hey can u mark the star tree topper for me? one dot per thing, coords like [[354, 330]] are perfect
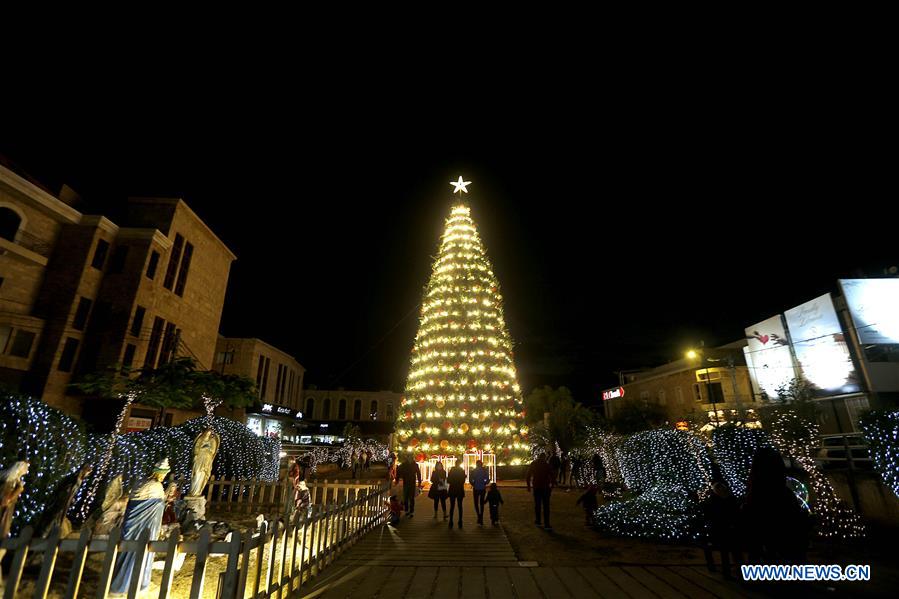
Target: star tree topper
[[460, 185]]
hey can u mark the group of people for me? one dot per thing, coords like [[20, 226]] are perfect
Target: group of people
[[446, 484], [770, 525], [360, 461]]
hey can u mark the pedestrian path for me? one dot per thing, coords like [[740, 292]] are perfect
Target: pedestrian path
[[422, 557]]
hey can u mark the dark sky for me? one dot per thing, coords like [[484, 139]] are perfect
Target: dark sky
[[621, 232]]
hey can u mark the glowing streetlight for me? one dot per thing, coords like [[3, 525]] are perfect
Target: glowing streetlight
[[691, 355]]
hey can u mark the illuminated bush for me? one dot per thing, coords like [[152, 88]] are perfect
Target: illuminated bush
[[882, 433], [662, 457], [734, 449], [665, 512], [53, 444]]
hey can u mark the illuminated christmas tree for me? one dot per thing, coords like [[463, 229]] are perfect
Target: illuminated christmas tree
[[462, 394]]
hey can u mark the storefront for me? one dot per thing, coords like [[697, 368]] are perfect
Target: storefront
[[272, 420]]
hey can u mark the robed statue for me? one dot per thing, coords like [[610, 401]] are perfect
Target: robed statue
[[144, 513], [11, 486], [205, 448]]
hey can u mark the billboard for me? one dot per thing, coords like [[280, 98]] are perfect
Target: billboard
[[768, 356], [874, 306], [821, 348]]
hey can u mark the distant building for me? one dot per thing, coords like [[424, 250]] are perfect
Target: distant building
[[714, 385], [279, 383], [326, 412], [79, 293]]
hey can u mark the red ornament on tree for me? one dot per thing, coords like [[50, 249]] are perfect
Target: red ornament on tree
[[420, 457], [447, 424], [408, 414], [472, 444], [414, 441]]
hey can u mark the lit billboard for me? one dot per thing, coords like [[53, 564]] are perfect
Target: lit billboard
[[768, 356], [874, 306], [820, 347]]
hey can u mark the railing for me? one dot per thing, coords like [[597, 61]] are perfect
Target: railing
[[275, 560], [253, 496], [843, 450]]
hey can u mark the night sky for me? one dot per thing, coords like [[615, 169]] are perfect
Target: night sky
[[620, 237]]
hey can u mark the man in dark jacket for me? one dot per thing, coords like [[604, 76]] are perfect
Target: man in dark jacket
[[409, 472], [456, 479], [479, 478], [542, 476]]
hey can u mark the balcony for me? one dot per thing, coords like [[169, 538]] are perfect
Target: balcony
[[27, 247]]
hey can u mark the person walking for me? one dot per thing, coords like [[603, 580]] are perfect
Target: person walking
[[456, 480], [391, 466], [410, 473], [589, 502], [367, 463], [439, 488], [542, 476], [493, 500], [354, 462], [565, 471], [556, 465], [479, 479]]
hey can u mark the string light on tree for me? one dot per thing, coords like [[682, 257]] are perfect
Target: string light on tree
[[462, 392], [882, 433]]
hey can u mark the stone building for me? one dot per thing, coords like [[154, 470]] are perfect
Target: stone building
[[711, 386], [326, 412], [80, 293], [279, 383]]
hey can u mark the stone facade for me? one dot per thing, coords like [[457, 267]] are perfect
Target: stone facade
[[686, 388], [97, 295], [345, 406], [278, 375]]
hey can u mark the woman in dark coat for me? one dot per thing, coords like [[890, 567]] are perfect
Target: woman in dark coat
[[439, 488], [456, 480]]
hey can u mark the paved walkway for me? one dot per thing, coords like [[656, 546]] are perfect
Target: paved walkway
[[423, 558]]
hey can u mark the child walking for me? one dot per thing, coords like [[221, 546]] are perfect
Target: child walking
[[395, 508], [590, 503], [494, 499]]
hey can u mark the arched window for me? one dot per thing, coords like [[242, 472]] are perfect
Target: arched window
[[389, 411], [341, 410], [374, 410], [357, 409], [9, 223], [326, 409], [310, 406]]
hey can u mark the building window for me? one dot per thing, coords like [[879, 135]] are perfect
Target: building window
[[128, 360], [185, 268], [679, 394], [9, 223], [389, 411], [341, 410], [138, 321], [663, 397], [326, 409], [174, 259], [373, 414], [225, 357], [151, 266], [278, 384], [117, 262], [153, 346], [644, 395], [310, 407], [259, 370], [265, 369], [357, 409], [81, 312], [168, 344], [21, 344], [5, 334], [100, 254], [697, 392], [68, 355]]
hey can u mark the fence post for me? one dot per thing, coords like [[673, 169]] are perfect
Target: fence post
[[196, 586], [272, 554], [303, 560], [137, 570], [245, 566], [231, 570], [78, 563], [171, 554], [263, 532], [51, 550], [18, 563], [112, 549]]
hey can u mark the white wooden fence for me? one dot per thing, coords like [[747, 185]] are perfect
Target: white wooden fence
[[274, 561]]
